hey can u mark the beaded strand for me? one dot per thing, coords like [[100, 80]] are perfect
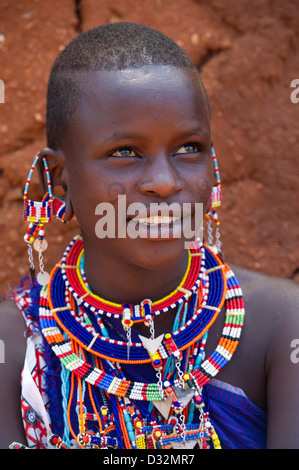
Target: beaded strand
[[77, 338]]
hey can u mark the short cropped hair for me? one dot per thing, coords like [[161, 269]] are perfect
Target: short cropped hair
[[116, 46]]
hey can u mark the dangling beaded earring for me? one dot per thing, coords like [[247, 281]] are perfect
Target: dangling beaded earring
[[215, 201], [59, 208], [37, 213]]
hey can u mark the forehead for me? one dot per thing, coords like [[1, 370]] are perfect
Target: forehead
[[130, 98], [152, 81]]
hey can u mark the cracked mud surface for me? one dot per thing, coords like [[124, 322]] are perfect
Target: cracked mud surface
[[247, 53]]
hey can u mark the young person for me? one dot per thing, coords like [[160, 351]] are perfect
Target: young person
[[138, 341]]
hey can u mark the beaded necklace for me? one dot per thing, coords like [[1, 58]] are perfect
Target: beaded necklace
[[106, 406], [74, 274], [115, 349]]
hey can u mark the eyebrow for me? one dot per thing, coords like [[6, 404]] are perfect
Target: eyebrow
[[195, 131], [124, 135]]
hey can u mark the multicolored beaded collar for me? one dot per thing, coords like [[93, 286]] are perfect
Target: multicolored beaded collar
[[72, 269], [169, 411]]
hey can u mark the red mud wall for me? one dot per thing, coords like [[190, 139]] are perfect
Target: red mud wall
[[248, 55]]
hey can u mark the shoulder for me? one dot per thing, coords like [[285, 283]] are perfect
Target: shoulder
[[272, 310], [269, 296], [253, 280], [11, 319], [13, 347], [12, 328], [12, 335], [272, 305]]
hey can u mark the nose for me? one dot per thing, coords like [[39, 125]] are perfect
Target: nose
[[161, 178]]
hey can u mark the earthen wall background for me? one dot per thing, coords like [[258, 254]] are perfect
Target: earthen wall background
[[248, 54]]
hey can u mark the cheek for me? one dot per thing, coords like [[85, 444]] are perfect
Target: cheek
[[114, 190], [89, 191], [201, 184], [203, 195]]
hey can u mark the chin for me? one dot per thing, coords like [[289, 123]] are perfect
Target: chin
[[159, 254]]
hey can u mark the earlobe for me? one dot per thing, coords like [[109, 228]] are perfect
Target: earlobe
[[69, 211], [58, 175], [56, 164]]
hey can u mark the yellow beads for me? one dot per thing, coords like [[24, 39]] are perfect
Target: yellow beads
[[216, 442], [155, 356], [140, 442]]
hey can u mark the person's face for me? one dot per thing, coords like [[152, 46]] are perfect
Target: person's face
[[143, 134]]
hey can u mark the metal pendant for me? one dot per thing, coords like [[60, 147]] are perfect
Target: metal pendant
[[164, 406], [190, 444], [43, 278], [40, 245], [151, 345], [184, 395]]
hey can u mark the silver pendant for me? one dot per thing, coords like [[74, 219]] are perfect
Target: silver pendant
[[43, 278], [151, 345], [164, 406], [184, 395], [40, 245], [190, 444]]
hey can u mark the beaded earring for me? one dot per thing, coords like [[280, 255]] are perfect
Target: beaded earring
[[59, 208], [215, 201], [37, 213]]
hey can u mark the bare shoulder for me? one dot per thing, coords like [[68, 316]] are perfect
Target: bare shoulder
[[272, 305], [269, 296], [13, 347], [255, 279], [12, 329], [273, 316]]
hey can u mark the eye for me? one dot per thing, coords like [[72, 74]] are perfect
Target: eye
[[124, 152], [188, 148]]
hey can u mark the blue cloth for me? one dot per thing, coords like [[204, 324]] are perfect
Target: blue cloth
[[239, 423]]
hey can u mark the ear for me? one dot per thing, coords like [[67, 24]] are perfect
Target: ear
[[56, 162]]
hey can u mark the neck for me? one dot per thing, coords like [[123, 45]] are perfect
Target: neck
[[121, 282]]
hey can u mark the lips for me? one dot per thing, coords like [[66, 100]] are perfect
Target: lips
[[160, 221], [155, 231], [160, 213], [157, 220]]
